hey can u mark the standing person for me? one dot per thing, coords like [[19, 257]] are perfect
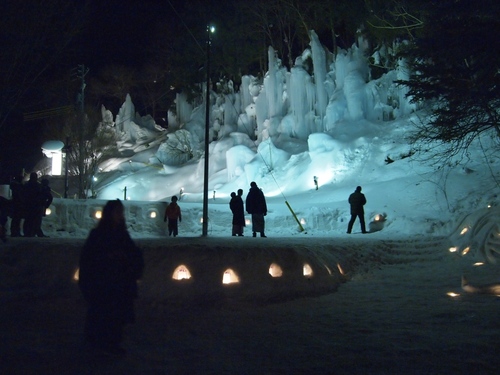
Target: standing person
[[257, 207], [110, 265], [17, 207], [32, 191], [238, 211], [357, 200], [173, 214], [45, 200]]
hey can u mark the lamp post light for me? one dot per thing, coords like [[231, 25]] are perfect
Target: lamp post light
[[210, 29]]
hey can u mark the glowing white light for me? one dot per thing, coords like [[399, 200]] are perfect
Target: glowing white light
[[453, 249], [465, 230], [328, 269], [56, 163], [466, 250], [152, 214], [76, 275], [477, 264], [201, 220], [48, 211], [247, 221], [98, 214], [307, 270], [302, 221], [452, 294]]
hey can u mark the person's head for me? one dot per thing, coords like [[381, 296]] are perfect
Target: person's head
[[233, 194], [33, 177], [253, 184], [113, 216], [174, 199], [358, 189], [240, 191]]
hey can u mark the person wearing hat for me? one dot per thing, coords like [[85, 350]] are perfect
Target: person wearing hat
[[357, 200]]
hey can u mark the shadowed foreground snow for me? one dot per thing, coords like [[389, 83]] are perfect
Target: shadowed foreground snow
[[388, 314]]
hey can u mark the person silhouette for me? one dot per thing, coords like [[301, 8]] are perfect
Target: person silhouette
[[357, 200], [257, 207], [110, 265]]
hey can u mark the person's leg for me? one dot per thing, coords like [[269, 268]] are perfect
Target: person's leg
[[362, 222], [351, 223]]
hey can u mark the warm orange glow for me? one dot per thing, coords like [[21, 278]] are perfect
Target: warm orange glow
[[452, 294], [181, 272], [307, 270], [340, 269], [230, 277], [275, 270], [76, 275], [466, 250], [98, 214]]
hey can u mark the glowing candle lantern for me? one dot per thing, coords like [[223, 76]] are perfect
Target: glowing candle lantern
[[466, 250], [152, 214], [477, 264], [453, 249], [48, 211], [340, 269], [307, 270], [302, 221], [247, 222], [76, 275], [275, 270], [181, 273], [452, 294], [465, 230], [230, 277], [98, 214]]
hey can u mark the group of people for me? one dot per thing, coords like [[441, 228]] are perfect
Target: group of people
[[29, 202], [255, 205]]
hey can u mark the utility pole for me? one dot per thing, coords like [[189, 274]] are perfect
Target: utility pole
[[210, 29], [81, 73]]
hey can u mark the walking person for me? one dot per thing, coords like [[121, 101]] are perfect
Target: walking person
[[173, 214], [357, 200], [110, 265], [238, 210], [257, 207]]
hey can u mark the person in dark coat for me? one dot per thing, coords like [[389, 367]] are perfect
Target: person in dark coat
[[17, 206], [110, 265], [357, 200], [236, 206], [32, 191], [173, 215], [257, 207]]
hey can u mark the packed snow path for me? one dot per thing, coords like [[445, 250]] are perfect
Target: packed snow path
[[394, 315]]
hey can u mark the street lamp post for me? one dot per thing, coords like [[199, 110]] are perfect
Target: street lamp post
[[210, 29]]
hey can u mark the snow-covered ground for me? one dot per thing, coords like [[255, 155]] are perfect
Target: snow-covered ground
[[388, 302]]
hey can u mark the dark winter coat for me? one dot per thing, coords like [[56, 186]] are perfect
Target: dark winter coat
[[236, 206], [110, 265], [256, 202], [357, 200], [172, 212]]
